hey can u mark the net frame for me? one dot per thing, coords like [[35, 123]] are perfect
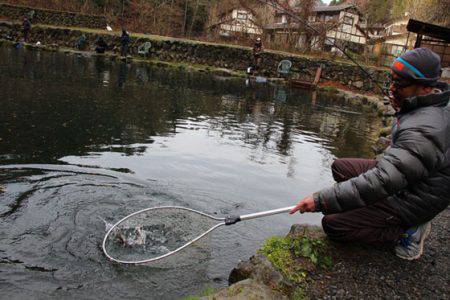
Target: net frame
[[222, 221]]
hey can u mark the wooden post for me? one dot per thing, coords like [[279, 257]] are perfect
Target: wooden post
[[407, 41], [318, 74], [418, 41]]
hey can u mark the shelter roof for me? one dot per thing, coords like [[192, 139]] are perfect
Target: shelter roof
[[333, 8], [428, 29]]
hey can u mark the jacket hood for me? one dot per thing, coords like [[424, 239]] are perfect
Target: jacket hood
[[433, 99]]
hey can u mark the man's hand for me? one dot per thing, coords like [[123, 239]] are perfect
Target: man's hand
[[305, 205]]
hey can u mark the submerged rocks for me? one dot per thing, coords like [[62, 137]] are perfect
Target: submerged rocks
[[374, 101], [223, 72]]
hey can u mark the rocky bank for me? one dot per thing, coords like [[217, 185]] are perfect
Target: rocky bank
[[353, 272]]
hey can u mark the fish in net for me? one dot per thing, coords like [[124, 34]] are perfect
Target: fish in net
[[154, 233]]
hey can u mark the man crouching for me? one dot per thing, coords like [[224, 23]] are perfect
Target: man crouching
[[394, 198]]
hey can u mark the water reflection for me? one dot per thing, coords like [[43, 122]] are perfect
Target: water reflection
[[44, 123]]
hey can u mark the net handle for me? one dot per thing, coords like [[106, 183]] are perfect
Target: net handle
[[234, 219], [266, 213], [222, 222]]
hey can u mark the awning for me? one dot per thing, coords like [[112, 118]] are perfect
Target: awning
[[431, 30]]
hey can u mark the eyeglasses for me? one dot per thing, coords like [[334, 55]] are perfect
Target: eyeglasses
[[400, 83]]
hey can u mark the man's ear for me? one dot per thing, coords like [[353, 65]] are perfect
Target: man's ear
[[425, 90], [428, 89]]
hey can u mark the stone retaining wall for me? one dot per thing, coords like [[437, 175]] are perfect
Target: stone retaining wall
[[52, 17], [215, 55]]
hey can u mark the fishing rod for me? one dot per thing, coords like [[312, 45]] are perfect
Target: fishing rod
[[332, 41]]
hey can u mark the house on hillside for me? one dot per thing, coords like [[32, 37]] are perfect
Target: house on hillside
[[397, 39], [402, 34], [375, 31], [236, 22], [343, 26], [285, 31], [391, 42], [340, 24]]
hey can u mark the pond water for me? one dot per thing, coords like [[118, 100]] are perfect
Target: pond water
[[86, 139]]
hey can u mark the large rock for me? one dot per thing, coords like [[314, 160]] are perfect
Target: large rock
[[311, 231], [389, 112], [381, 144], [247, 289], [259, 268], [358, 84]]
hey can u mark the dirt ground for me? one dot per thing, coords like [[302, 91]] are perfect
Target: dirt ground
[[364, 272]]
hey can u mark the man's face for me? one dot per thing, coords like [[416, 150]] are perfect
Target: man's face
[[401, 89]]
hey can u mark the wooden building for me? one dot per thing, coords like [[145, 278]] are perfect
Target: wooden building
[[236, 22], [340, 24], [434, 37]]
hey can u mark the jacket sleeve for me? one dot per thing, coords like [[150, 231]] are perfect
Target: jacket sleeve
[[415, 155]]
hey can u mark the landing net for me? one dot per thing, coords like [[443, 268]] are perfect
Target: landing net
[[155, 233]]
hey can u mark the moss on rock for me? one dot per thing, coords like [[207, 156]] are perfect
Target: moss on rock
[[297, 255]]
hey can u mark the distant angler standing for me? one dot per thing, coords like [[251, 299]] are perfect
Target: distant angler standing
[[26, 27], [257, 54], [124, 41]]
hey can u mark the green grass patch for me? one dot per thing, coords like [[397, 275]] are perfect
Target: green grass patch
[[329, 88], [295, 255]]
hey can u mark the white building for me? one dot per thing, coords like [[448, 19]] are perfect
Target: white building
[[237, 21], [340, 24], [344, 28], [392, 42]]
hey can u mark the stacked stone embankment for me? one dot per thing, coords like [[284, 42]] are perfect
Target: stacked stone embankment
[[51, 17]]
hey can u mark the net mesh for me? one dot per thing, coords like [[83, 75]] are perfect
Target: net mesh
[[153, 233]]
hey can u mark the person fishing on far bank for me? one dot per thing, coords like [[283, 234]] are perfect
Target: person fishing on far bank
[[26, 27], [124, 41], [393, 199], [257, 55], [100, 45]]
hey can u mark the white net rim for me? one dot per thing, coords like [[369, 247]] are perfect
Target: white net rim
[[222, 222]]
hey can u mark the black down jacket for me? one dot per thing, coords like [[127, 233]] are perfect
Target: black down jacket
[[413, 173]]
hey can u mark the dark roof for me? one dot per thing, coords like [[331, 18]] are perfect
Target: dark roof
[[376, 26], [333, 8], [229, 10], [431, 30]]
